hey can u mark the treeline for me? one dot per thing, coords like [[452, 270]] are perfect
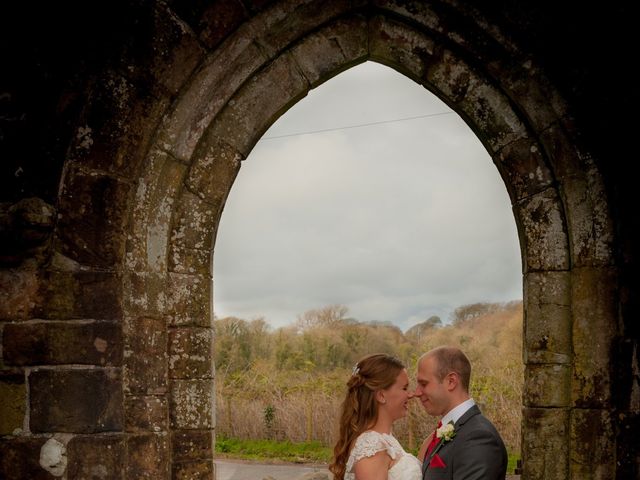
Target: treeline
[[288, 383], [320, 340]]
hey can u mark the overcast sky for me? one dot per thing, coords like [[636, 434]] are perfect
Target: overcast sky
[[397, 221]]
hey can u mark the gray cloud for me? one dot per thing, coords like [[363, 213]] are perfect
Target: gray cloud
[[398, 221]]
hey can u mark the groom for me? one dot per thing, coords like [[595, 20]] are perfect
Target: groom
[[469, 448]]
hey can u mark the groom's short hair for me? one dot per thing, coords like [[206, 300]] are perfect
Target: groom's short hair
[[452, 359]]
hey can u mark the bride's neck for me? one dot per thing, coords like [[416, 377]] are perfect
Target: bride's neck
[[382, 424]]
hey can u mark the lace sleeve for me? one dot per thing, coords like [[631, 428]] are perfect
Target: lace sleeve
[[367, 445]]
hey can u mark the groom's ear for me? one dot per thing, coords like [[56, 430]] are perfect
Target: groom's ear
[[452, 380]]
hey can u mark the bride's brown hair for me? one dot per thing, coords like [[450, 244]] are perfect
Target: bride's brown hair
[[360, 409]]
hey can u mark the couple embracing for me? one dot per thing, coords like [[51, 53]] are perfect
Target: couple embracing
[[465, 445]]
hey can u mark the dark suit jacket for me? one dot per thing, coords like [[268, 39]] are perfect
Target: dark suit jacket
[[476, 452]]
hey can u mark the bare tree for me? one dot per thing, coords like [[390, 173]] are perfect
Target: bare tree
[[329, 316]]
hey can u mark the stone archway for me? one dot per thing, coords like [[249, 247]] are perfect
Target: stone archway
[[166, 168], [557, 195]]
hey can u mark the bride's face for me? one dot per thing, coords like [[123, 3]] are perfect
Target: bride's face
[[395, 399]]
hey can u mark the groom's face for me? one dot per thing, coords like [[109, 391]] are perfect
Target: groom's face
[[432, 392]]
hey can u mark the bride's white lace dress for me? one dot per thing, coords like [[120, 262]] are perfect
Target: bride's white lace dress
[[404, 465]]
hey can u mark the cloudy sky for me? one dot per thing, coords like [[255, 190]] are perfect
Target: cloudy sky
[[396, 219]]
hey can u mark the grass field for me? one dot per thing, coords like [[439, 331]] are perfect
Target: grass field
[[285, 451], [265, 450]]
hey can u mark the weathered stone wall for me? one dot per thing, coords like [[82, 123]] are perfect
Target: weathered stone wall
[[106, 292]]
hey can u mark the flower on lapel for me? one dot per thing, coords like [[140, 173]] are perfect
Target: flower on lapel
[[446, 432]]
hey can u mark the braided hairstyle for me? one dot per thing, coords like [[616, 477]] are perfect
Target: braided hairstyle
[[360, 408]]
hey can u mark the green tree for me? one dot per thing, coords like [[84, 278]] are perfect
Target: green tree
[[233, 344]]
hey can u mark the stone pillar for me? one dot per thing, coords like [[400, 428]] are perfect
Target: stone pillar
[[192, 406], [592, 425], [547, 392]]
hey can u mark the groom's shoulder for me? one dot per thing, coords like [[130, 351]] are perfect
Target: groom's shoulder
[[481, 419], [477, 421], [485, 422]]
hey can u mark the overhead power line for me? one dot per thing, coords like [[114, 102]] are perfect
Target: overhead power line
[[356, 126]]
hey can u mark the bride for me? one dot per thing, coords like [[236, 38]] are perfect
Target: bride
[[378, 395]]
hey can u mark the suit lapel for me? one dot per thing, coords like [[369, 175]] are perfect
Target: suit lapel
[[427, 461], [473, 411]]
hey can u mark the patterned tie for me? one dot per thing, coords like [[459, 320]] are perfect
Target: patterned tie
[[434, 441]]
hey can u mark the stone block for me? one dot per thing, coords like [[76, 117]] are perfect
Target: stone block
[[173, 51], [409, 50], [190, 353], [545, 450], [20, 458], [145, 109], [145, 293], [75, 401], [18, 294], [192, 404], [595, 328], [13, 406], [146, 414], [447, 74], [200, 470], [422, 13], [592, 236], [59, 294], [91, 218], [322, 55], [191, 445], [285, 85], [523, 168], [155, 196], [147, 456], [79, 294], [548, 334], [113, 134], [193, 222], [480, 102], [145, 356], [547, 322], [627, 455], [220, 76], [541, 224], [212, 172], [219, 20], [560, 150], [192, 235], [535, 96], [25, 232], [258, 5], [189, 300], [542, 288], [547, 385], [626, 371], [158, 210], [490, 111], [593, 444], [95, 457], [285, 23], [54, 343], [189, 260]]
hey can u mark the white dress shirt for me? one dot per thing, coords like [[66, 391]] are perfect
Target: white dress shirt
[[454, 414]]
